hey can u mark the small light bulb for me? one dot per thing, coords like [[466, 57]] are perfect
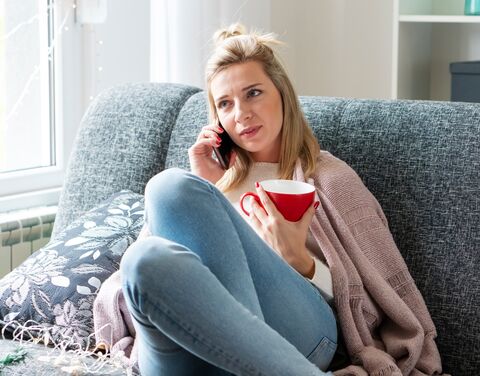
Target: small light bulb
[[66, 28], [100, 42], [100, 69], [91, 97]]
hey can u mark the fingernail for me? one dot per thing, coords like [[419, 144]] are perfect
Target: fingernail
[[316, 204], [256, 184]]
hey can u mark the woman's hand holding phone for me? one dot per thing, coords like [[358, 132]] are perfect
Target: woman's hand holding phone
[[224, 150], [200, 153]]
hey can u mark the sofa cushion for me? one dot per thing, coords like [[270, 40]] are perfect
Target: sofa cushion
[[56, 286]]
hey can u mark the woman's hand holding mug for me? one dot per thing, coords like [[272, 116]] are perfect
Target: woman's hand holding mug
[[281, 212]]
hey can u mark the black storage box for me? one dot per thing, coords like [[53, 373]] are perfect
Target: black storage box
[[465, 81]]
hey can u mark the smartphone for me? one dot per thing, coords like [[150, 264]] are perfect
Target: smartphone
[[223, 151]]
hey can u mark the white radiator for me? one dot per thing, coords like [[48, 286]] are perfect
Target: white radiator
[[22, 233]]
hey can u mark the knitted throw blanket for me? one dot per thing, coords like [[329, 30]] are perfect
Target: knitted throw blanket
[[384, 319]]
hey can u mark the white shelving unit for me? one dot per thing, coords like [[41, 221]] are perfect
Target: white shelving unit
[[439, 19], [431, 35]]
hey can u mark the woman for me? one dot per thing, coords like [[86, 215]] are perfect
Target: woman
[[212, 292]]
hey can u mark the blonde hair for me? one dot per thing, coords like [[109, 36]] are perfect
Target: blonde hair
[[233, 46]]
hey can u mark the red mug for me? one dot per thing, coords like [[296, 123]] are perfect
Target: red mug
[[291, 198]]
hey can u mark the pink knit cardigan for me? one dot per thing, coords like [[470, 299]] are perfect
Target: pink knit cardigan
[[383, 317]]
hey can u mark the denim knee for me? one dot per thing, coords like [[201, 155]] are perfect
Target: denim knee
[[153, 258], [136, 260], [170, 183]]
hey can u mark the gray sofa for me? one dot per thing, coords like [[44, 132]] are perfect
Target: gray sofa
[[419, 158]]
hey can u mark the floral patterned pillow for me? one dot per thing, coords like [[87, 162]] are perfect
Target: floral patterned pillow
[[56, 286]]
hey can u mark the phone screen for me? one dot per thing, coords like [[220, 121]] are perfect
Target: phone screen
[[223, 151]]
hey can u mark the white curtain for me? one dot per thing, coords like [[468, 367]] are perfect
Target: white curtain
[[181, 32]]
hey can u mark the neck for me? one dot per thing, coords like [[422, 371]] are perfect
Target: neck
[[271, 156]]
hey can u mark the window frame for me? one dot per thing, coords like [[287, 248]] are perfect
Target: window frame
[[41, 186]]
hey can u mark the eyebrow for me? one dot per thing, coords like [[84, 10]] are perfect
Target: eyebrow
[[244, 89]]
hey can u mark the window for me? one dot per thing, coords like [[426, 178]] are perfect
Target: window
[[61, 41], [27, 126], [39, 44]]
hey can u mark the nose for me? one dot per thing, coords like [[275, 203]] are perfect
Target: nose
[[243, 112]]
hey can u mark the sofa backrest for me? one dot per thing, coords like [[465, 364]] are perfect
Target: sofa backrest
[[421, 161], [419, 158]]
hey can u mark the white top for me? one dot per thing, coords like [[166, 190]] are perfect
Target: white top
[[259, 171]]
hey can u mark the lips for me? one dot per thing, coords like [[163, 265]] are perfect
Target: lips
[[250, 131]]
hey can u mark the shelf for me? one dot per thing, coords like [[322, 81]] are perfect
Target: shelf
[[439, 19]]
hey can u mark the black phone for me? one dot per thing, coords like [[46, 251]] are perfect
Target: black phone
[[223, 151]]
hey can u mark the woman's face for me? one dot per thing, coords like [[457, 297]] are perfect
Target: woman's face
[[249, 107]]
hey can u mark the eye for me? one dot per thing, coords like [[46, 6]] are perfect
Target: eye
[[254, 93], [222, 104]]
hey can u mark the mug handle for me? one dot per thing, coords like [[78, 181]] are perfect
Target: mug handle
[[244, 196]]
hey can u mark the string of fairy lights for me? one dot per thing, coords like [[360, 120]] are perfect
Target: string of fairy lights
[[56, 37]]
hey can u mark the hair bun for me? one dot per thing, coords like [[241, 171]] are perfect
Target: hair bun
[[231, 31]]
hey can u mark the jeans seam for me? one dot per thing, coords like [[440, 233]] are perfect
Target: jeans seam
[[214, 193], [315, 348], [212, 349], [324, 344]]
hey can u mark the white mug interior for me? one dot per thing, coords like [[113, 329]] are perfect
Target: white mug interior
[[287, 186]]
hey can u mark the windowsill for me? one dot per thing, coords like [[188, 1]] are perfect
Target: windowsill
[[23, 215], [40, 198]]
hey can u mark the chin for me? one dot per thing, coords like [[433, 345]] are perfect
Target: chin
[[250, 148]]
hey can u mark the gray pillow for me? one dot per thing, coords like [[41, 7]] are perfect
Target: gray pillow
[[56, 286]]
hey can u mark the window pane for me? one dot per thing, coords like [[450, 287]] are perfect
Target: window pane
[[26, 132]]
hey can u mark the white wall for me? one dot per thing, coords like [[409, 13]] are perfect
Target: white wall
[[182, 32], [318, 64], [169, 41], [118, 50]]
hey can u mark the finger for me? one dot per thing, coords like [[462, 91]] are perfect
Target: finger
[[210, 141], [210, 129], [208, 134], [204, 146], [269, 206], [308, 215], [256, 223], [259, 212], [214, 128], [214, 141]]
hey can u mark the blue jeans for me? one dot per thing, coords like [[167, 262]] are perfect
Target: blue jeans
[[209, 297]]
